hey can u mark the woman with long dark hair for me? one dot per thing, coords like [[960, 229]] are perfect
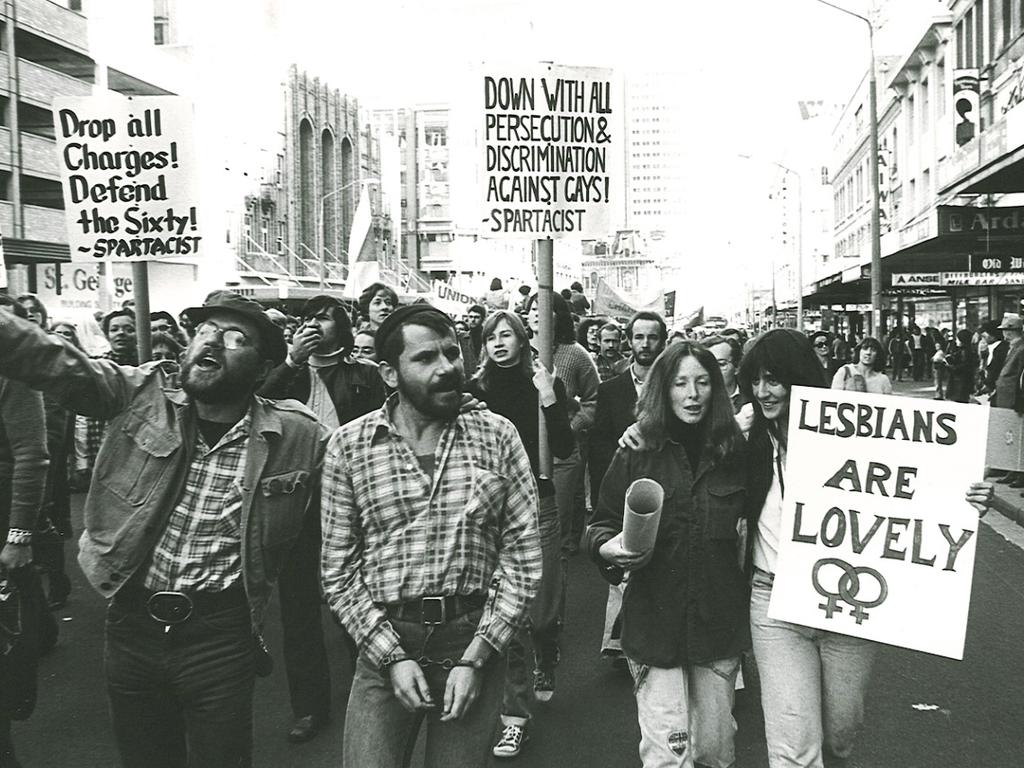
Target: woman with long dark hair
[[513, 386], [866, 373], [813, 681], [684, 610]]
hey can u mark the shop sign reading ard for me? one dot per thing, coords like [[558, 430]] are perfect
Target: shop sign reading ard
[[547, 140], [876, 539], [129, 177]]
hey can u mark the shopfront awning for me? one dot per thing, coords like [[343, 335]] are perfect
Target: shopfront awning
[[34, 252], [1001, 176]]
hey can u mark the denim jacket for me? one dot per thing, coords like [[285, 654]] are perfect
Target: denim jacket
[[141, 468], [688, 605]]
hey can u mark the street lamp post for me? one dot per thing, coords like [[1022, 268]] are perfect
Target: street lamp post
[[876, 225], [799, 244], [320, 223]]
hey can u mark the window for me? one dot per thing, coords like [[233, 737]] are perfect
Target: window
[[960, 43], [969, 48], [979, 56], [940, 88], [925, 101], [161, 23], [910, 119], [926, 187]]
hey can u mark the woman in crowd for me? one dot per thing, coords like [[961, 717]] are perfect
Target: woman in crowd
[[866, 374], [512, 386], [23, 466], [577, 371], [36, 311], [823, 353], [497, 297], [377, 302], [164, 347], [961, 366], [588, 334], [813, 682], [685, 608]]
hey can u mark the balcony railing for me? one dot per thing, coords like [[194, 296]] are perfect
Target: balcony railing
[[54, 21], [45, 224], [39, 84]]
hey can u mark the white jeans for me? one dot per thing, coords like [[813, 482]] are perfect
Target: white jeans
[[685, 714], [813, 684]]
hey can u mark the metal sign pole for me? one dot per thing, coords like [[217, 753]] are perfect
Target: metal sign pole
[[143, 338], [545, 344]]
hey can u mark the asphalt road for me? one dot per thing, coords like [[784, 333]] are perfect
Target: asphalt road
[[923, 711]]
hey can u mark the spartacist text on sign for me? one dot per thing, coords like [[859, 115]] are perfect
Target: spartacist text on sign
[[128, 172], [546, 138], [876, 539]]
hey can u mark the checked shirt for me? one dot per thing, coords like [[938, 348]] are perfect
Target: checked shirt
[[392, 534], [201, 547]]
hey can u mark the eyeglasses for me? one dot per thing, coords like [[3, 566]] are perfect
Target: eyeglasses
[[231, 339], [821, 344]]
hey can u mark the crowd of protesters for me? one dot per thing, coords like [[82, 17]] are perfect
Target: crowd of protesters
[[386, 459]]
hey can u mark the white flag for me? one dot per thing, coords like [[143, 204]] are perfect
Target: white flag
[[364, 268]]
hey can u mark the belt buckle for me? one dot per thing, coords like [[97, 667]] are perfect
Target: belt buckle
[[169, 608], [433, 612]]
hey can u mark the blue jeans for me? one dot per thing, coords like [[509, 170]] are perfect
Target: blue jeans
[[182, 697], [813, 685], [685, 714], [568, 474], [544, 627], [381, 733]]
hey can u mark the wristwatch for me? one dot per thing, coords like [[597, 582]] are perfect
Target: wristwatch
[[476, 664]]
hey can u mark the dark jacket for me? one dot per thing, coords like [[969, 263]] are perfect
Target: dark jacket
[[616, 410], [961, 363], [355, 387], [1007, 389], [994, 364], [689, 604]]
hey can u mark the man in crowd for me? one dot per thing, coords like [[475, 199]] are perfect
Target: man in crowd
[[431, 553], [319, 373], [616, 403], [1008, 392], [197, 496], [472, 345], [609, 357], [579, 303], [996, 355], [728, 352]]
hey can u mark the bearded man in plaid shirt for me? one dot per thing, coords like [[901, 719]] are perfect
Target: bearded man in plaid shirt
[[431, 552], [198, 494]]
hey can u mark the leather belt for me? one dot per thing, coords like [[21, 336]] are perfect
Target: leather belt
[[435, 609], [171, 607]]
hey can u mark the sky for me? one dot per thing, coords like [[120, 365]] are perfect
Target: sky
[[743, 65]]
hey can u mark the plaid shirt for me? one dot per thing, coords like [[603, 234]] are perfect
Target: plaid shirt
[[392, 534], [201, 547]]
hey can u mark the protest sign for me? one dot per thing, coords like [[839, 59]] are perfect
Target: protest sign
[[876, 540], [547, 136], [129, 177]]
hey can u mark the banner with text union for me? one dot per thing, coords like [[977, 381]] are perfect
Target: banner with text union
[[547, 138], [876, 539]]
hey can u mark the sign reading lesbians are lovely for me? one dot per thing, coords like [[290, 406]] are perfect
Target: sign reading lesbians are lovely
[[876, 539]]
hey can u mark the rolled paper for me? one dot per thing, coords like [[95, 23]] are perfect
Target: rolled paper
[[642, 514]]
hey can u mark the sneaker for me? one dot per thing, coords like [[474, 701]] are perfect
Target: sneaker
[[543, 685], [511, 742]]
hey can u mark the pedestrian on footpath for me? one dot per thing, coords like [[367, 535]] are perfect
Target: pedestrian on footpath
[[865, 375], [685, 618], [513, 386], [813, 681], [1008, 392], [319, 373], [961, 364], [197, 496], [431, 553]]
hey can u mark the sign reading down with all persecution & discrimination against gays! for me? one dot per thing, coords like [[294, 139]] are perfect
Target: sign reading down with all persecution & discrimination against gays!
[[547, 138], [128, 172], [876, 539]]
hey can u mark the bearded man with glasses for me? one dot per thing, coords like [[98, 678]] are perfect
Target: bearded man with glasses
[[198, 493]]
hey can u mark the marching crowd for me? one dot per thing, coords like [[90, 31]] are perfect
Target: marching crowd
[[385, 459]]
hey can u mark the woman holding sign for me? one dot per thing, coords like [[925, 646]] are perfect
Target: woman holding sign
[[684, 611], [813, 681]]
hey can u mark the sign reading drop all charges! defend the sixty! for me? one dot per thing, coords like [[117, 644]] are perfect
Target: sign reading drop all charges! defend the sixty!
[[876, 539], [128, 173]]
